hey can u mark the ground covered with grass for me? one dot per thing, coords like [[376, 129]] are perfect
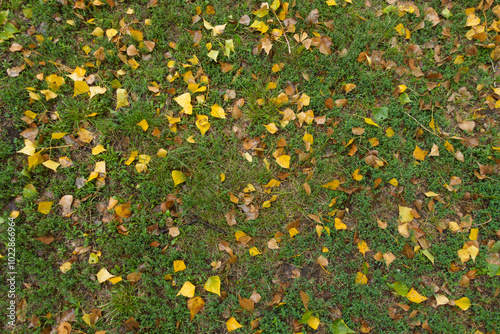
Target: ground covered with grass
[[287, 167]]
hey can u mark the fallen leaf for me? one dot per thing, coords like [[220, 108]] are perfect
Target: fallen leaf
[[232, 324], [103, 275], [213, 285], [187, 290]]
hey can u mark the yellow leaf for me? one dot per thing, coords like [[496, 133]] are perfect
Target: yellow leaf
[[419, 154], [184, 100], [449, 147], [254, 251], [363, 247], [218, 111], [110, 33], [277, 67], [29, 148], [401, 88], [361, 278], [49, 95], [431, 194], [332, 185], [34, 160], [405, 214], [222, 177], [458, 60], [339, 225], [195, 305], [115, 280], [271, 85], [371, 122], [284, 161], [293, 232], [103, 275], [271, 127], [65, 267], [356, 176], [473, 234], [415, 297], [179, 265], [140, 167], [178, 177], [232, 324], [313, 322], [213, 55], [331, 3], [81, 87], [472, 20], [400, 29], [463, 303], [187, 290], [202, 123], [389, 132], [98, 32], [121, 98], [441, 300], [94, 90], [51, 164], [394, 182], [98, 149], [349, 87], [44, 207], [143, 124], [213, 285], [58, 135], [260, 26]]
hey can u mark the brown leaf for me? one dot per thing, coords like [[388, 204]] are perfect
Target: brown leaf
[[46, 239], [231, 217], [408, 252], [246, 304], [305, 299], [255, 297], [340, 103], [312, 18], [329, 103]]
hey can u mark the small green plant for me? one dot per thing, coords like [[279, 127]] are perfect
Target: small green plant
[[123, 303]]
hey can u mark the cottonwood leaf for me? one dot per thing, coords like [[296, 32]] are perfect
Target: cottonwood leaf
[[178, 177], [415, 297], [187, 290], [232, 324], [194, 305], [103, 275], [213, 285]]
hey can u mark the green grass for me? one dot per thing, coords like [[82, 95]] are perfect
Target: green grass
[[278, 275]]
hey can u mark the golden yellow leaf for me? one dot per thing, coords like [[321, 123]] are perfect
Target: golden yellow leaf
[[95, 90], [254, 251], [394, 182], [361, 278], [34, 160], [389, 132], [143, 124], [65, 267], [401, 88], [405, 214], [58, 135], [49, 95], [218, 111], [121, 98], [313, 322], [284, 161], [272, 128], [51, 165], [178, 177], [463, 303], [202, 123], [44, 207], [187, 290], [81, 87], [103, 275], [363, 247], [349, 87], [331, 3], [400, 29], [371, 122], [415, 297], [473, 234], [98, 149], [222, 177], [356, 176], [213, 285], [293, 232], [179, 265], [195, 305], [232, 324], [339, 225], [419, 154], [115, 280], [271, 85]]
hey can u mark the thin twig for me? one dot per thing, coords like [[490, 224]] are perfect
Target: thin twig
[[423, 126], [284, 33]]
